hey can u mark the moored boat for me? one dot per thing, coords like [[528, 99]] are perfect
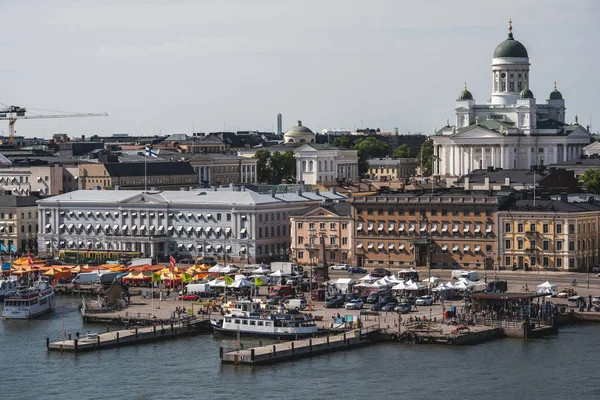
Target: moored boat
[[247, 318], [26, 303], [8, 285]]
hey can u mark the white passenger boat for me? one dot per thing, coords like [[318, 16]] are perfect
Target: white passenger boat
[[247, 318], [25, 303], [8, 285]]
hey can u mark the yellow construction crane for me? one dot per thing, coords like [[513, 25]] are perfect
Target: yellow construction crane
[[13, 113]]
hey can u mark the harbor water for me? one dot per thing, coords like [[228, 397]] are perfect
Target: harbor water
[[563, 365]]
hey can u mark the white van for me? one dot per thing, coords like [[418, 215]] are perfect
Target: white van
[[199, 289], [295, 304], [343, 267], [470, 275]]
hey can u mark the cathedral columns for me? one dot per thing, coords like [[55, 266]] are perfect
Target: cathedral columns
[[471, 151], [502, 156], [493, 156], [555, 153], [529, 164], [436, 164], [453, 160], [483, 166], [564, 146]]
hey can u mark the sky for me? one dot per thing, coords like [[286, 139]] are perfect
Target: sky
[[209, 65]]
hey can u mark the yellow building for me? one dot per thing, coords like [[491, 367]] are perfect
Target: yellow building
[[392, 168], [549, 234]]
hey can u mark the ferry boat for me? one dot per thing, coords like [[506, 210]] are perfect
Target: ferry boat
[[8, 285], [247, 318], [25, 303]]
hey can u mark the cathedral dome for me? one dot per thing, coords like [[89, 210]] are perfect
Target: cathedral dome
[[510, 47], [465, 94], [526, 94], [299, 134], [555, 94]]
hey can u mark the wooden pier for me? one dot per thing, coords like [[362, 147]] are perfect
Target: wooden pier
[[128, 337], [288, 351]]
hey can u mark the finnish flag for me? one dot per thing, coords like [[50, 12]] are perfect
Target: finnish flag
[[151, 153]]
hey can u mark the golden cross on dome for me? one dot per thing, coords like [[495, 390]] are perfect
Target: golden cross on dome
[[554, 85], [465, 85], [510, 26]]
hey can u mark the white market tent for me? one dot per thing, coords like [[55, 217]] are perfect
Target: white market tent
[[217, 283], [410, 285], [461, 285], [215, 268], [261, 271], [228, 269], [442, 288], [345, 284], [383, 282], [239, 284], [399, 286], [547, 287], [239, 277], [367, 278], [279, 273], [432, 281]]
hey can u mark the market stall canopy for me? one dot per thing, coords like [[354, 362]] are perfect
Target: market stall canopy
[[399, 286], [432, 280], [547, 287], [410, 285], [228, 269], [239, 284], [367, 278], [279, 273], [261, 271], [215, 269]]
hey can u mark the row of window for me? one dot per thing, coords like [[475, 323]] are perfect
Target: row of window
[[558, 262], [332, 225], [275, 231], [332, 255], [558, 228], [581, 244], [433, 211], [332, 240], [433, 227], [180, 216], [455, 248]]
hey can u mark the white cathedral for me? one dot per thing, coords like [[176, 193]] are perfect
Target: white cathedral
[[511, 131]]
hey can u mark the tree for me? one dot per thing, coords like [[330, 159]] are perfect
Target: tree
[[283, 167], [275, 167], [591, 180], [372, 148], [425, 157], [263, 169], [369, 148], [343, 142], [402, 151]]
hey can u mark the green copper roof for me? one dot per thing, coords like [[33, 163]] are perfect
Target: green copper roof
[[510, 48], [555, 95], [526, 94]]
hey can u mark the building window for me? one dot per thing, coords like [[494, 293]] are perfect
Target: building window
[[344, 240], [311, 225], [228, 217], [531, 227], [218, 216], [559, 263], [321, 225], [411, 211], [332, 225], [444, 212], [380, 211], [559, 245], [520, 228], [507, 261], [344, 226], [571, 228], [369, 211], [300, 254], [332, 240], [466, 212], [300, 225], [545, 228], [520, 244], [507, 244], [571, 263], [545, 245], [434, 211], [545, 261], [507, 227], [300, 239], [558, 228], [511, 86], [571, 245]]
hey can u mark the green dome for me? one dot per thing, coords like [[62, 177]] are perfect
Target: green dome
[[526, 94], [465, 94], [510, 48], [555, 94]]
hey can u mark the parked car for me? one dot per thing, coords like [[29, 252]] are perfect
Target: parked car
[[357, 270], [377, 306], [424, 301], [284, 299], [273, 301], [403, 308], [389, 306], [566, 293], [343, 267], [335, 303], [354, 305], [188, 297], [374, 297], [380, 272]]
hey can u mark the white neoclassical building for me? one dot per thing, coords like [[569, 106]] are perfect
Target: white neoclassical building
[[511, 131], [315, 162]]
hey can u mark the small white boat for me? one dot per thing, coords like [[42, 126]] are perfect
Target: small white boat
[[247, 318], [26, 303], [8, 285]]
